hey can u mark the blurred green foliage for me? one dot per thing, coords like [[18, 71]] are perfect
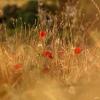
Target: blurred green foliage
[[27, 14]]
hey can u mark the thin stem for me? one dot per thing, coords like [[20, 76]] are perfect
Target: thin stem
[[96, 5]]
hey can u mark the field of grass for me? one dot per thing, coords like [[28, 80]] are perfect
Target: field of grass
[[50, 61]]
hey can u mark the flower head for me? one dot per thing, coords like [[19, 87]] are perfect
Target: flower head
[[48, 54], [77, 50], [18, 66], [42, 34]]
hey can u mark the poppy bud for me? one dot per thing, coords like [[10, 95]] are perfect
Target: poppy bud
[[48, 54], [77, 50], [42, 34], [18, 66]]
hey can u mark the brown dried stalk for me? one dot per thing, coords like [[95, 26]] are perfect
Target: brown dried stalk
[[96, 6]]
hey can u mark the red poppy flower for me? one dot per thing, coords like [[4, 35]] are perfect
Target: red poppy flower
[[77, 50], [42, 34], [48, 54], [18, 66]]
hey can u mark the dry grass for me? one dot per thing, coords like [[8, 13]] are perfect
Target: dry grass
[[65, 70]]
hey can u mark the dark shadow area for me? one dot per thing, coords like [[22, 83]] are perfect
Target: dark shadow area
[[27, 14]]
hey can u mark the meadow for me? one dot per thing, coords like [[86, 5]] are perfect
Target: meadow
[[57, 59]]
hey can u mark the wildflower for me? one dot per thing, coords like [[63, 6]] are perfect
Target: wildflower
[[42, 34], [77, 50], [18, 66], [48, 54]]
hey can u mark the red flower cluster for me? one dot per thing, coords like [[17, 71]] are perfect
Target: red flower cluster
[[18, 66], [42, 34], [48, 54], [77, 50]]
